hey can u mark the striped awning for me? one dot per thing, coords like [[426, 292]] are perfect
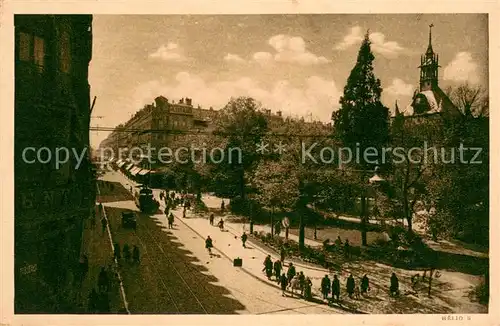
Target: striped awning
[[134, 170], [128, 167], [144, 172]]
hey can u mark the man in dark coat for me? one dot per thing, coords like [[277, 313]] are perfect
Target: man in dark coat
[[347, 249], [212, 217], [365, 284], [104, 224], [394, 288], [135, 254], [93, 301], [325, 287], [282, 254], [244, 238], [308, 289], [351, 284], [208, 245], [335, 288], [277, 269], [291, 272], [126, 252], [283, 281], [117, 251], [302, 280], [103, 280], [84, 268], [268, 266], [171, 221]]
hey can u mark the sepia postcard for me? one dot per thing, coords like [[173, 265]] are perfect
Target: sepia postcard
[[305, 161]]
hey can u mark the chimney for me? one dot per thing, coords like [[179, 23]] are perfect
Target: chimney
[[211, 108], [189, 101], [268, 112], [279, 113], [181, 101]]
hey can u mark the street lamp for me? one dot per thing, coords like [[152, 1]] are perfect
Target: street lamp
[[376, 180]]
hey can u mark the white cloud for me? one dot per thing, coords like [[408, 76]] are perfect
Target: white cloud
[[378, 42], [462, 69], [262, 57], [233, 58], [170, 52], [399, 87], [318, 96], [290, 49]]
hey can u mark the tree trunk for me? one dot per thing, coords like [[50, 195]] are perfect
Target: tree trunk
[[302, 233], [272, 222], [407, 211], [364, 241], [431, 273], [242, 184]]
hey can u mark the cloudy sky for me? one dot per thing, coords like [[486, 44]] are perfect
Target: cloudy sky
[[294, 63]]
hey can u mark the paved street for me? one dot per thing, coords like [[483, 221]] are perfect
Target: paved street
[[177, 275]]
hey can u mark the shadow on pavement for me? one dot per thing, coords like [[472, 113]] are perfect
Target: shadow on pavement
[[169, 279]]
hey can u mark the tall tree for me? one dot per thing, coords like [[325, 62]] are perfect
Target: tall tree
[[362, 120], [242, 125]]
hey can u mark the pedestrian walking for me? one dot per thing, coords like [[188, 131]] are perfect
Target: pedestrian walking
[[291, 272], [335, 289], [92, 303], [209, 245], [171, 221], [167, 210], [184, 212], [117, 251], [103, 280], [347, 249], [394, 287], [84, 268], [277, 228], [136, 254], [103, 303], [244, 239], [212, 217], [302, 279], [268, 267], [221, 224], [222, 207], [126, 252], [282, 254], [325, 287], [104, 224], [283, 282], [365, 285], [308, 289], [351, 284], [277, 269]]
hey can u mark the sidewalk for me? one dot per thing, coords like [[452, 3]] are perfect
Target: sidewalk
[[228, 244]]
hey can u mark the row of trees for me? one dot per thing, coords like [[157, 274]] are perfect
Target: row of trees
[[456, 195]]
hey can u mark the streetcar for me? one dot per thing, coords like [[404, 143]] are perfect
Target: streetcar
[[145, 201]]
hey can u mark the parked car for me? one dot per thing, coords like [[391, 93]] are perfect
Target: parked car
[[129, 220]]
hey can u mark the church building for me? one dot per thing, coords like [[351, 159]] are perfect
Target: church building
[[430, 99]]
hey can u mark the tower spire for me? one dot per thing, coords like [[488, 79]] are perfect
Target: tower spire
[[429, 47]]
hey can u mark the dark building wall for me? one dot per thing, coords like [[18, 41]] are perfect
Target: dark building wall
[[52, 110]]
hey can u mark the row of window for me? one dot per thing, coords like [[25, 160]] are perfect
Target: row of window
[[175, 123], [33, 49]]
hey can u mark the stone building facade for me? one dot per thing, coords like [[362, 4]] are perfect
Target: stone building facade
[[52, 110]]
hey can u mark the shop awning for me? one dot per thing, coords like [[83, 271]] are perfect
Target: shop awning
[[134, 170], [122, 163], [144, 172], [128, 166]]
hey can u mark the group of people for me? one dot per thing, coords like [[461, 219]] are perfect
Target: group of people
[[291, 280], [353, 290], [220, 224], [98, 301], [128, 256], [339, 245]]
